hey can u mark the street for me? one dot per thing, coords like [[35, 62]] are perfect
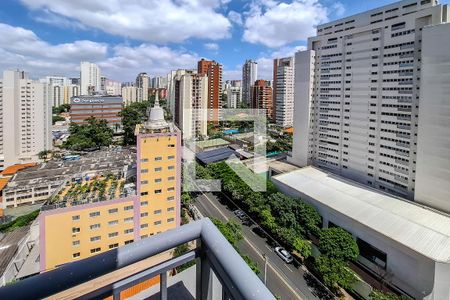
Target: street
[[283, 280]]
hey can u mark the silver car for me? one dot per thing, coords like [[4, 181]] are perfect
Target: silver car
[[286, 256]]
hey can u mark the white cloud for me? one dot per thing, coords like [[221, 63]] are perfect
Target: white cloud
[[211, 46], [338, 9], [23, 49], [156, 21], [274, 23], [235, 17], [47, 17], [265, 63]]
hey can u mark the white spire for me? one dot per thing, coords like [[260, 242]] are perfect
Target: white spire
[[156, 116]]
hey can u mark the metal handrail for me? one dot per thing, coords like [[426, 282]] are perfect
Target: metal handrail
[[241, 280]]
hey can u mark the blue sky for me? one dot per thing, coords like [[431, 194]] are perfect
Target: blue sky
[[125, 37]]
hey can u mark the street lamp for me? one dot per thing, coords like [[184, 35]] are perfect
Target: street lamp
[[265, 268]]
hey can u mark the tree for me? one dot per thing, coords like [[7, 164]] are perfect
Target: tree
[[334, 271], [132, 115], [57, 119], [231, 230], [379, 295], [96, 133], [44, 154], [338, 244], [303, 247], [186, 198]]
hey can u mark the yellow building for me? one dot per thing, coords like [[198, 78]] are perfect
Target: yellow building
[[77, 232]]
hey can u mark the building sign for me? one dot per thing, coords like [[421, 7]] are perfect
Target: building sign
[[95, 100]]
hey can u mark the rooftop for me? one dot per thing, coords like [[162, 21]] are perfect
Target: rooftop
[[11, 170], [417, 227]]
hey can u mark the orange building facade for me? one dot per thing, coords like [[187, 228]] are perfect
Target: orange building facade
[[214, 72], [262, 97]]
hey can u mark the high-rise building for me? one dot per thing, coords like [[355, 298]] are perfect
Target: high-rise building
[[262, 97], [249, 76], [90, 78], [25, 119], [60, 89], [99, 107], [103, 84], [132, 94], [113, 88], [213, 70], [171, 78], [234, 96], [191, 102], [142, 81], [159, 82], [360, 94], [83, 230], [283, 91]]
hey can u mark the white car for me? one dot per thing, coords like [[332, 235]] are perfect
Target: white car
[[286, 256]]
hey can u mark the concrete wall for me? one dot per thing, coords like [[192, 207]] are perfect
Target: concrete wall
[[433, 144]]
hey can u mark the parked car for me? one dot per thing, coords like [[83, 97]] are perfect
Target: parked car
[[258, 230], [284, 254]]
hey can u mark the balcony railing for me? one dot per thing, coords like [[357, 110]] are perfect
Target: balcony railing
[[213, 255]]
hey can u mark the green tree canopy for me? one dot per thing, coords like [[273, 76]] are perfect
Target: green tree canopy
[[338, 244], [132, 115], [96, 133], [334, 271]]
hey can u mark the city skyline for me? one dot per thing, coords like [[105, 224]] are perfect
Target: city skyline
[[52, 38]]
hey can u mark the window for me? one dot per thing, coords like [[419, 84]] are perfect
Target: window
[[144, 203], [157, 223], [158, 158], [128, 231], [128, 207], [171, 167], [171, 145], [75, 218], [113, 210], [171, 209], [75, 229], [113, 234], [112, 246], [128, 242], [371, 253], [143, 171], [144, 182], [127, 220], [158, 169], [171, 189], [171, 157], [171, 178], [144, 160], [157, 191], [76, 243], [112, 223], [94, 226], [170, 220], [95, 250], [158, 180], [144, 214], [144, 193], [94, 214], [171, 198], [157, 212], [75, 255], [144, 225], [95, 238]]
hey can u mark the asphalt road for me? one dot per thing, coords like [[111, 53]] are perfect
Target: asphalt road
[[283, 280]]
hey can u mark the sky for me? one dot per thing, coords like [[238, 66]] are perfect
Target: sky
[[126, 37]]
